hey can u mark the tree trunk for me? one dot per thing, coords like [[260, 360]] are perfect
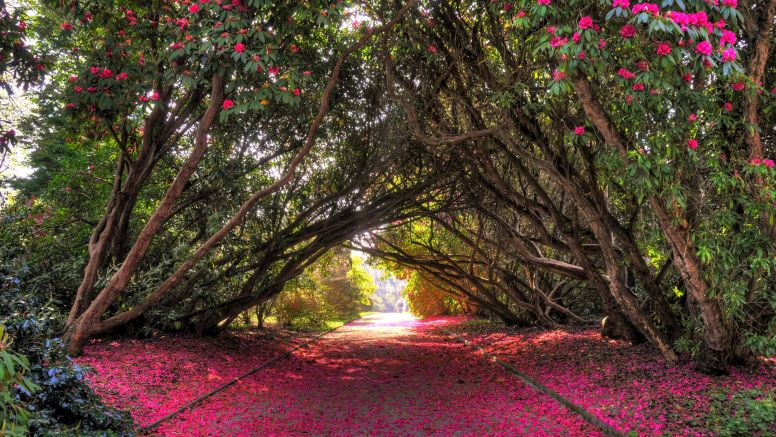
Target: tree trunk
[[718, 338], [88, 323]]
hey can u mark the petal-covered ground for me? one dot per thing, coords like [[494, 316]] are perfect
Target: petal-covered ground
[[390, 374], [626, 386]]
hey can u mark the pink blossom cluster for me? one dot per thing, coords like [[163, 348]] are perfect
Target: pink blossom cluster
[[650, 8], [696, 19], [762, 161], [626, 74]]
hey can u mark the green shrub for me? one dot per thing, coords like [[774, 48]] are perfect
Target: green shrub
[[334, 289], [14, 417], [44, 392]]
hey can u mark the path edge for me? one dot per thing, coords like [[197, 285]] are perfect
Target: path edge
[[536, 385], [193, 403]]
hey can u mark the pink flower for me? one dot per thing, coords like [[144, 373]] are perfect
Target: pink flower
[[626, 74], [727, 38], [728, 106], [122, 76], [649, 8], [558, 75], [297, 91], [687, 77], [627, 31], [729, 55], [738, 86], [73, 78], [557, 41], [692, 143], [239, 47], [194, 8], [697, 19], [543, 2], [66, 26], [432, 48], [625, 4], [579, 130], [663, 49], [731, 3], [274, 71], [575, 37], [228, 104], [155, 96], [703, 47], [106, 73], [638, 87], [585, 22], [768, 163], [692, 117]]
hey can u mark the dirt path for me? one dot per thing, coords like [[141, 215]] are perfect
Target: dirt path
[[386, 374]]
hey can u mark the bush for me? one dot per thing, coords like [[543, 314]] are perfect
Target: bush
[[14, 417], [425, 299], [46, 391], [336, 288]]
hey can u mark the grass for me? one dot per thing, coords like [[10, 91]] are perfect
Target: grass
[[318, 326]]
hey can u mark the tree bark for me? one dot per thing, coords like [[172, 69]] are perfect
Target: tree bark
[[718, 336], [88, 322]]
